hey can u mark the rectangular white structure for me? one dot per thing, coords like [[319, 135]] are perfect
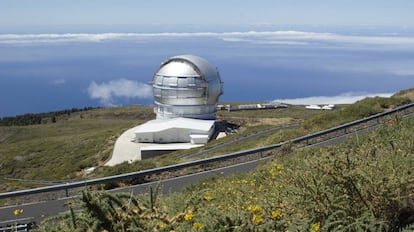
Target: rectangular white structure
[[175, 130]]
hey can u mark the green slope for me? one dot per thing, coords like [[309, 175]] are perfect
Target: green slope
[[60, 151], [365, 184]]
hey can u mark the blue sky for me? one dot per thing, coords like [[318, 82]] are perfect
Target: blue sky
[[293, 12], [58, 54]]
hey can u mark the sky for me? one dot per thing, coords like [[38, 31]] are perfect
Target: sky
[[58, 54], [18, 13]]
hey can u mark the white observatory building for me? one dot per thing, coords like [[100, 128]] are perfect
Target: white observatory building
[[186, 89]]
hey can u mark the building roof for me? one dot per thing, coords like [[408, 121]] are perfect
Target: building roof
[[183, 123], [168, 146], [187, 66]]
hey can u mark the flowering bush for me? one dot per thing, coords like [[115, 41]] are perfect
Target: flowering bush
[[366, 184]]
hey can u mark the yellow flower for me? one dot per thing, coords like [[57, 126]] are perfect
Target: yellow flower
[[277, 166], [255, 209], [276, 214], [162, 225], [188, 216], [17, 212], [315, 227], [198, 226], [257, 219], [208, 197]]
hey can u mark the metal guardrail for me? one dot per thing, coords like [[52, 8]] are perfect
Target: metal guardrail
[[17, 225], [354, 123], [205, 161], [15, 228], [132, 175], [242, 139]]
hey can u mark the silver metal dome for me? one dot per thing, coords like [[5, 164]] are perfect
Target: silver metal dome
[[186, 86]]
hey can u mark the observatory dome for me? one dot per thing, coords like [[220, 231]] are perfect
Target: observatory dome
[[186, 86]]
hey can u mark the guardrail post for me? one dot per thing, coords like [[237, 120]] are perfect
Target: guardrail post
[[66, 191]]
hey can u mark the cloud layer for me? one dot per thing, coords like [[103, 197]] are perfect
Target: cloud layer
[[262, 37], [345, 98], [107, 92], [60, 81]]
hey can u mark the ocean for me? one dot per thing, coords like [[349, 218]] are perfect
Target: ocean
[[42, 71]]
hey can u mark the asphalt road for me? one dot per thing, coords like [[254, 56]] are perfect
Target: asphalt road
[[38, 210]]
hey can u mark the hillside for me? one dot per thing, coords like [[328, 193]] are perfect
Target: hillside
[[53, 152], [365, 184], [59, 150], [408, 93]]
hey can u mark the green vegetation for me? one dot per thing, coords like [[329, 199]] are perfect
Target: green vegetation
[[365, 184], [33, 119], [60, 151], [408, 93], [312, 120], [293, 112], [358, 110]]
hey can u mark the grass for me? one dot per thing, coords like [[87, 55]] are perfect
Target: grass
[[358, 110], [60, 151], [407, 93], [259, 122], [365, 184], [293, 111], [311, 120]]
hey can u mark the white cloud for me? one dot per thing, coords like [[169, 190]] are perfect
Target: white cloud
[[264, 37], [345, 98], [402, 68], [122, 88], [60, 81], [86, 37]]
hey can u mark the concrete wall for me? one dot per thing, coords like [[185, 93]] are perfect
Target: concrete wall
[[144, 137], [172, 135]]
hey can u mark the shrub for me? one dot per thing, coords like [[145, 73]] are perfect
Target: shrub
[[360, 109], [366, 184]]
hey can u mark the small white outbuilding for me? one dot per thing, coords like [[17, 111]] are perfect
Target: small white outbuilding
[[175, 130]]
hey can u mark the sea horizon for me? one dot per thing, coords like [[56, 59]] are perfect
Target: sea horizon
[[45, 70]]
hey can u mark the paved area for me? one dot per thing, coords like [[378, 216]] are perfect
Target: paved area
[[125, 150]]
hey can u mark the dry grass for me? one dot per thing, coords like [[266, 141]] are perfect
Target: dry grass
[[60, 151]]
